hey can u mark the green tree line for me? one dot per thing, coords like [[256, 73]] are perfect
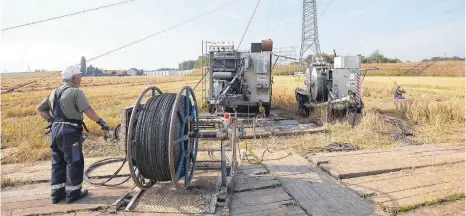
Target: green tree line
[[192, 64]]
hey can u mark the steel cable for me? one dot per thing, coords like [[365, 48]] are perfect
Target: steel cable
[[162, 31], [249, 23], [66, 15]]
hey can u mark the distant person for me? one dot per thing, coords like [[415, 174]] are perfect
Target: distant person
[[398, 92], [63, 109]]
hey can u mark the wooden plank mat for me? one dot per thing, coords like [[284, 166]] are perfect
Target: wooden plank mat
[[253, 177], [357, 164], [35, 199], [315, 191], [258, 193]]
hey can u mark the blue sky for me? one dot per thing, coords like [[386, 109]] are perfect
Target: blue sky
[[409, 30]]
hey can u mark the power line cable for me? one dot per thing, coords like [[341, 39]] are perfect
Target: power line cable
[[249, 23], [28, 83], [326, 7], [66, 15], [157, 33]]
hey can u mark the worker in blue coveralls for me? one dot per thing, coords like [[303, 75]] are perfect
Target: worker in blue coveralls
[[398, 92], [63, 109]]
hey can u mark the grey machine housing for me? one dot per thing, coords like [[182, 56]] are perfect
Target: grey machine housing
[[240, 81], [338, 85]]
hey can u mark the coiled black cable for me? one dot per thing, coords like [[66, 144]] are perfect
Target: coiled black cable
[[152, 134], [88, 178]]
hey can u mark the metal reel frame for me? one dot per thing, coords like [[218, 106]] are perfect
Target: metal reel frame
[[187, 140], [138, 179]]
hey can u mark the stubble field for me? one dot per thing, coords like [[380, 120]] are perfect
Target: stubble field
[[433, 112]]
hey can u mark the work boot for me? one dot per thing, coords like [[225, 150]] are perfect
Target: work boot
[[58, 195], [56, 200], [81, 194]]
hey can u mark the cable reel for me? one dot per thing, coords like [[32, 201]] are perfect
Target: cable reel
[[162, 138]]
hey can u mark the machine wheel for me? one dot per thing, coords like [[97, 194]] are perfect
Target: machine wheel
[[267, 110], [211, 108], [354, 116], [303, 111]]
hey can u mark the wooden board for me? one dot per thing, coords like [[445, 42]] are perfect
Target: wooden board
[[258, 193], [314, 191], [35, 199], [373, 162], [255, 183], [260, 201], [406, 180], [253, 177]]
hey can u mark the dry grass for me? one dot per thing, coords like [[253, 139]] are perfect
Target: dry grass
[[434, 111]]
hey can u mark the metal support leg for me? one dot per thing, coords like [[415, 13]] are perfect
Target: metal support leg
[[223, 164]]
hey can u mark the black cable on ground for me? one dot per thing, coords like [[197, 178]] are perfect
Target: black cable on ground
[[88, 178]]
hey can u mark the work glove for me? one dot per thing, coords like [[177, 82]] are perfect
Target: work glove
[[49, 126], [49, 122], [103, 125]]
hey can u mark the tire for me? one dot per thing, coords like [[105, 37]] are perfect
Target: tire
[[267, 110], [211, 108], [303, 111]]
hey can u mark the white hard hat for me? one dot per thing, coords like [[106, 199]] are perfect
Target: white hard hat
[[70, 71]]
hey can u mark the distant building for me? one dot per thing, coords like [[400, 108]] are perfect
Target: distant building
[[132, 72]]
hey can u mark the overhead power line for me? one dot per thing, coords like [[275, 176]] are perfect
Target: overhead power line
[[249, 23], [66, 15], [28, 83], [326, 7], [157, 33]]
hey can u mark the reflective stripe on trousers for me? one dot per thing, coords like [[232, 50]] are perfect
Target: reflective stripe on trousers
[[58, 186], [72, 188]]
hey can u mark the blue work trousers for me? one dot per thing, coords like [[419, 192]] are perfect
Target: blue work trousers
[[67, 160]]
